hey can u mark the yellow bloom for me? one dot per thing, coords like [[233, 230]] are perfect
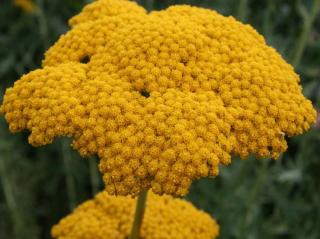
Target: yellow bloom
[[26, 5], [162, 98], [108, 217]]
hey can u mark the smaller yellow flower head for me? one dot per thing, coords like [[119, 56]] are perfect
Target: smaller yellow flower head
[[26, 5], [111, 217]]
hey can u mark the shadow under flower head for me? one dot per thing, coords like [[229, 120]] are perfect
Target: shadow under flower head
[[110, 217], [162, 98]]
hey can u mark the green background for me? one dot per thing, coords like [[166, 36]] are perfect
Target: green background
[[250, 199]]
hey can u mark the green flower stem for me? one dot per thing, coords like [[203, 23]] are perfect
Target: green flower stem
[[242, 10], [10, 199], [308, 19], [94, 175], [251, 199], [150, 5], [267, 19], [140, 208], [66, 156], [42, 23]]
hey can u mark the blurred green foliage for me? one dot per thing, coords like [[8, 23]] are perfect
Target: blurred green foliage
[[251, 199]]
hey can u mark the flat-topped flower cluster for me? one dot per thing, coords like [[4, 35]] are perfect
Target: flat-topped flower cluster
[[162, 98]]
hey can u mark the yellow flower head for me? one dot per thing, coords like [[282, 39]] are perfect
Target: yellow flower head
[[110, 217], [162, 98], [26, 5]]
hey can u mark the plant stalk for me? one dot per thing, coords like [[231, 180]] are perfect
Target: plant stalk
[[11, 200], [94, 175], [308, 21], [71, 188], [242, 10], [138, 217], [150, 5]]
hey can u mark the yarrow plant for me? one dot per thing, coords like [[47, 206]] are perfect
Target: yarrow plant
[[163, 98]]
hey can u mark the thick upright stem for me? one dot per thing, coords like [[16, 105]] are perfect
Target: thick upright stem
[[138, 217]]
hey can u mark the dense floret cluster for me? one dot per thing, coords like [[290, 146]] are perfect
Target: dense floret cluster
[[162, 98], [110, 217]]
